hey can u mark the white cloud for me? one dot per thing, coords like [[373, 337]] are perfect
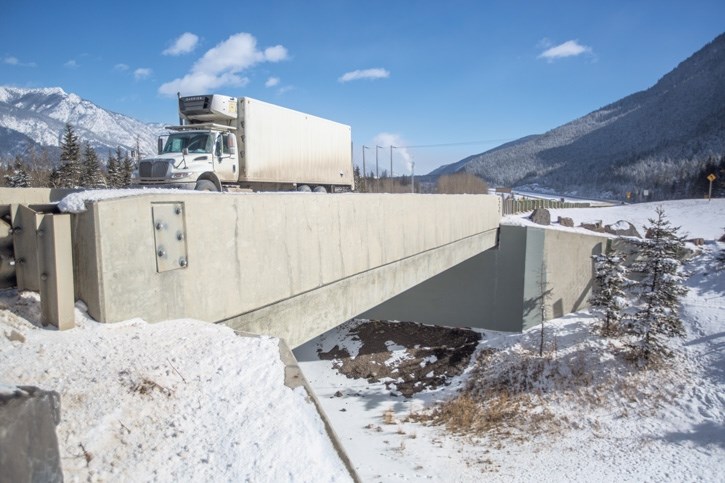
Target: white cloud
[[386, 139], [570, 48], [12, 60], [221, 66], [377, 73], [184, 44], [271, 82], [142, 73], [71, 64], [121, 67]]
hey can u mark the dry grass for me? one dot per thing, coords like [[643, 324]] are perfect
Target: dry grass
[[514, 394], [389, 417]]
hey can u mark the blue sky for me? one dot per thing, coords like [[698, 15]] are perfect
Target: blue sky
[[467, 75]]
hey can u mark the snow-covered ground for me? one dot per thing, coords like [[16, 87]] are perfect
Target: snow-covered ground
[[654, 426], [187, 401], [180, 400], [697, 218], [667, 427]]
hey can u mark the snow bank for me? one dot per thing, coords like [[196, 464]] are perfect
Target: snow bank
[[178, 400], [76, 202]]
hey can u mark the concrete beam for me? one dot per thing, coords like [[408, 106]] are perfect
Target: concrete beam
[[305, 316], [269, 253]]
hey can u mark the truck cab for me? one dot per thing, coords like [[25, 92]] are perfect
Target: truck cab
[[200, 153]]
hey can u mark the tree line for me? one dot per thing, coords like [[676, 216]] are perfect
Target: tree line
[[457, 183], [79, 167]]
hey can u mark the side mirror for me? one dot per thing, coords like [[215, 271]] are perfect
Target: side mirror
[[231, 142], [160, 144]]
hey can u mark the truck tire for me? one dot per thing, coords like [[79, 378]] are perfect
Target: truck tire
[[319, 189], [205, 185], [304, 188]]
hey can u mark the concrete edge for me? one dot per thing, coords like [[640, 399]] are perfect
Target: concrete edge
[[294, 378]]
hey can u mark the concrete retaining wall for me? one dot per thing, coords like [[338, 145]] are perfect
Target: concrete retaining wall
[[502, 289]]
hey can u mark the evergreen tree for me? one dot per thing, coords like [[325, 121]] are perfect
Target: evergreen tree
[[608, 297], [70, 148], [91, 176], [663, 285], [126, 171], [54, 180], [19, 177], [69, 173], [114, 171], [359, 180]]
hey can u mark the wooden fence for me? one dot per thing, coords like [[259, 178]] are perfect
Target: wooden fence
[[511, 206]]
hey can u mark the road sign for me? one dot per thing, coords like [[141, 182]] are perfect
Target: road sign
[[711, 177]]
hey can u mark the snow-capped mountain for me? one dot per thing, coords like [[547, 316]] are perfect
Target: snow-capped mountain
[[37, 117], [659, 139]]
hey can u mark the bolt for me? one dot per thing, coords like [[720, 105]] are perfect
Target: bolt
[[161, 253], [178, 210], [17, 229], [180, 236], [182, 262], [44, 276], [159, 226]]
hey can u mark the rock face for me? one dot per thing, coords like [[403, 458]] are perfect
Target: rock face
[[566, 221], [622, 228], [28, 443], [541, 216]]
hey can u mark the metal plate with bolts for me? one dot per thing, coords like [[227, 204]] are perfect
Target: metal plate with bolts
[[169, 225]]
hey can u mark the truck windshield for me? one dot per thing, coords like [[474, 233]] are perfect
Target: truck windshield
[[194, 142]]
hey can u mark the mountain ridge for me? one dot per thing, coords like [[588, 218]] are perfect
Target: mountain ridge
[[653, 139], [36, 117]]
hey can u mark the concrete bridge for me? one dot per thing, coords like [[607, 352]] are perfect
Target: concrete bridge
[[285, 264], [293, 265]]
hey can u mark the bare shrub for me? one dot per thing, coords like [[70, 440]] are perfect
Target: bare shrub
[[389, 416], [461, 183]]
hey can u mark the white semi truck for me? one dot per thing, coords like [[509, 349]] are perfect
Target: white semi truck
[[227, 143]]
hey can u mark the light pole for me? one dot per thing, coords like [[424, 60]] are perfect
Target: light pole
[[377, 176], [365, 175]]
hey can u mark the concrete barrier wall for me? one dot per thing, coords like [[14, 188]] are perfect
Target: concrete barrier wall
[[248, 252], [31, 196], [503, 288]]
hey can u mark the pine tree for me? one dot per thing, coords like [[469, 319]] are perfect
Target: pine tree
[[608, 297], [54, 180], [69, 173], [126, 171], [661, 263], [19, 178], [91, 176], [114, 171]]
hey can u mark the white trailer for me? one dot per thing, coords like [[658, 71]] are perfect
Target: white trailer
[[225, 143]]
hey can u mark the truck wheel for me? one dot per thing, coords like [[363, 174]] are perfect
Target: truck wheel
[[319, 189], [304, 188], [205, 185]]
